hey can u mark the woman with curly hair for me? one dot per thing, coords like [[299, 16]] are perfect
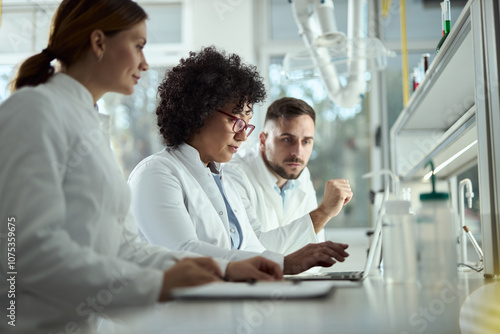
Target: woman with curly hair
[[180, 198]]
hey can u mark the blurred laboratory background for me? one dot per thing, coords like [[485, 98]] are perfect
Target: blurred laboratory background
[[402, 116]]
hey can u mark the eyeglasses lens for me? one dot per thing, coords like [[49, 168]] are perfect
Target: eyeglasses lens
[[239, 125]]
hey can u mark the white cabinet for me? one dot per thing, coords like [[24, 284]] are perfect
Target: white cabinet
[[453, 117]]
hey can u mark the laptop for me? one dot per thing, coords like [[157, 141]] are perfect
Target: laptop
[[256, 290], [351, 275]]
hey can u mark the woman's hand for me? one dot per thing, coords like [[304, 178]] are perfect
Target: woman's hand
[[255, 268], [189, 272]]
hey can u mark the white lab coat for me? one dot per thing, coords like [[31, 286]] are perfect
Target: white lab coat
[[178, 205], [280, 229], [74, 240]]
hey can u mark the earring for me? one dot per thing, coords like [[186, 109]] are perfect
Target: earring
[[100, 57]]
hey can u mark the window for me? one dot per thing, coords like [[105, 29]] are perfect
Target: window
[[134, 134], [423, 20], [5, 78], [25, 27], [283, 27], [341, 146]]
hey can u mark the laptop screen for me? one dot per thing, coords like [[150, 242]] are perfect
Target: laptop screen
[[376, 236]]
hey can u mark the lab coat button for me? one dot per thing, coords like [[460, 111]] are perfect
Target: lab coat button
[[235, 211], [221, 213], [232, 230]]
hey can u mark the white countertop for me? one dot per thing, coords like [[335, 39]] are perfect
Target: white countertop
[[370, 307]]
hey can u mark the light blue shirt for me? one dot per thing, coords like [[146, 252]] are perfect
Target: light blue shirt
[[234, 225], [289, 185]]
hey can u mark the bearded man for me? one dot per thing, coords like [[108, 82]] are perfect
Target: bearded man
[[275, 185]]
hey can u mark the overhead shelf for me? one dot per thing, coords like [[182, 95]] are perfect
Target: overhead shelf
[[449, 151], [439, 120]]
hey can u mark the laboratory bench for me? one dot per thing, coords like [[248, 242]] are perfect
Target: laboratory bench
[[465, 120], [368, 307], [371, 306]]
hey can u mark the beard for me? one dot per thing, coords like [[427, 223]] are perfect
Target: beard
[[279, 170]]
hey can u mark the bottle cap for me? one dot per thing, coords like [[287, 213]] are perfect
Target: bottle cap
[[433, 196]]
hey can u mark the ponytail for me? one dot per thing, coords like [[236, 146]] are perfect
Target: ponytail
[[71, 27], [35, 70]]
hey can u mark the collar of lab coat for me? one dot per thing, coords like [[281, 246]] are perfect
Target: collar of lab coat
[[191, 155], [73, 89], [190, 158], [79, 94]]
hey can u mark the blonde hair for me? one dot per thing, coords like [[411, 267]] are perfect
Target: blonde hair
[[71, 27]]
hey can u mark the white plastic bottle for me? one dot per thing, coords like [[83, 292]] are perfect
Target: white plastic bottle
[[436, 252], [399, 244]]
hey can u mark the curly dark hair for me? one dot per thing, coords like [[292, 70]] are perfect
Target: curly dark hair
[[202, 83]]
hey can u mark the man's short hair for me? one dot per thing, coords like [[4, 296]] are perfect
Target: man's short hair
[[289, 107]]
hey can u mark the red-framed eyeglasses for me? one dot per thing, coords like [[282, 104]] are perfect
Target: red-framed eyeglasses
[[239, 124]]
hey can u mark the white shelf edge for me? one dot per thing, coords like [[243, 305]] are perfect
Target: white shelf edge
[[462, 126]]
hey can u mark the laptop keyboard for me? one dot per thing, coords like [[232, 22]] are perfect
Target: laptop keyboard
[[335, 275], [349, 275]]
